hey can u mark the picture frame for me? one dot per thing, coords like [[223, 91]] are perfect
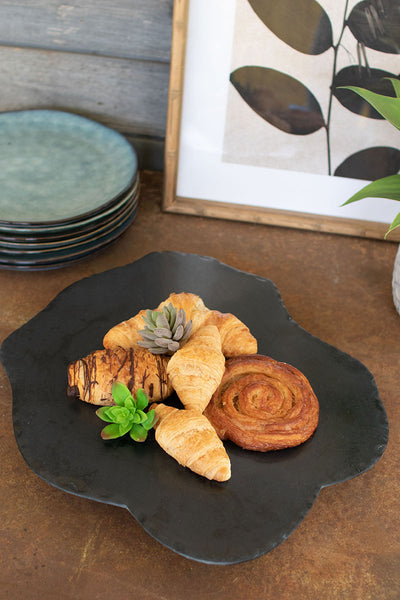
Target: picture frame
[[197, 181]]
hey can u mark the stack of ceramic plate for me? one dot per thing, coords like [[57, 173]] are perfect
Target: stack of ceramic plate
[[68, 187]]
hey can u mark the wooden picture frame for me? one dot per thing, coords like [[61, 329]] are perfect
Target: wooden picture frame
[[347, 220]]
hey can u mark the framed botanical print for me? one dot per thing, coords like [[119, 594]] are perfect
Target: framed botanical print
[[261, 127]]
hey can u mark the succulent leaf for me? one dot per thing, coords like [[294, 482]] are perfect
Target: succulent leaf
[[172, 317], [156, 350], [178, 332], [119, 393], [138, 433], [110, 432], [102, 414], [150, 420], [162, 332], [124, 428], [148, 335], [127, 417], [162, 342], [165, 330], [142, 416], [173, 346], [162, 321], [142, 400], [187, 332]]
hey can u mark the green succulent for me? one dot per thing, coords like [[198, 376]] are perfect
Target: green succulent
[[127, 415]]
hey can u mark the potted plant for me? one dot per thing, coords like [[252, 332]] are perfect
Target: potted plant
[[386, 187]]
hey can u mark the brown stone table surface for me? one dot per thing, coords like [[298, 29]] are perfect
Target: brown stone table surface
[[57, 545]]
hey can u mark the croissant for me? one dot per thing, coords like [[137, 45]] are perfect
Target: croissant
[[125, 334], [91, 378], [196, 369], [236, 337], [189, 438], [262, 404]]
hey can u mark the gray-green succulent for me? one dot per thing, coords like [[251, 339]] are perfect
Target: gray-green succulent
[[165, 331]]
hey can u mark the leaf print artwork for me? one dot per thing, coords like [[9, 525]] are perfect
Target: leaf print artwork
[[370, 164], [375, 80], [279, 99], [309, 50], [313, 31], [376, 24]]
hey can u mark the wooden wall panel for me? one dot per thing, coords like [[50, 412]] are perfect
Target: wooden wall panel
[[108, 61], [130, 94], [124, 28]]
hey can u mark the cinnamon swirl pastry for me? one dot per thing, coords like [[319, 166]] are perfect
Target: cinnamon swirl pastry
[[262, 404]]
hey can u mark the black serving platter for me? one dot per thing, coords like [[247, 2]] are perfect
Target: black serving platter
[[268, 494]]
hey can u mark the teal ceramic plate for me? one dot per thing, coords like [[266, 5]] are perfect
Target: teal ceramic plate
[[58, 167], [66, 256], [50, 232], [40, 251], [14, 245]]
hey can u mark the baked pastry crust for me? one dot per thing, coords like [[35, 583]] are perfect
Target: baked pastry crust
[[196, 370], [189, 437], [262, 404], [91, 378], [235, 336]]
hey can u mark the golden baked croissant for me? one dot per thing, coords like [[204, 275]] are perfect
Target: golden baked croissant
[[262, 404], [126, 334], [189, 438], [196, 369], [236, 337], [91, 378]]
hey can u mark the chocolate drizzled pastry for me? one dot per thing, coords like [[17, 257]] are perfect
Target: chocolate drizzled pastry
[[91, 378]]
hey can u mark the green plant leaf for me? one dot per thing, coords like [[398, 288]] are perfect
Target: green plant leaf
[[138, 433], [396, 85], [118, 414], [395, 223], [125, 427], [151, 419], [387, 106], [111, 432], [102, 414], [387, 187], [111, 413], [141, 399], [127, 415], [129, 403], [119, 393], [142, 415]]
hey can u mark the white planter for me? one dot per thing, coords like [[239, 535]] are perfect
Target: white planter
[[396, 281]]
